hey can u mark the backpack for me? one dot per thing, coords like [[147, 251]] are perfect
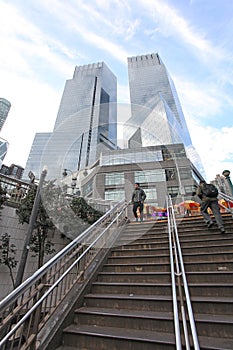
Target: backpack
[[209, 190]]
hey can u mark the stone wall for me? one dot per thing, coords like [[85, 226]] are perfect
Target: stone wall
[[9, 224]]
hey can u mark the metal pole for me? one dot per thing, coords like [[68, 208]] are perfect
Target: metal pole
[[181, 188], [230, 184], [35, 209]]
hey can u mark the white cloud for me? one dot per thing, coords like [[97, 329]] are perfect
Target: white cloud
[[170, 23], [201, 102], [123, 93], [213, 146], [21, 41], [34, 108], [68, 15]]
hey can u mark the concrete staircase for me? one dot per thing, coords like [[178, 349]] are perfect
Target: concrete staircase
[[129, 306]]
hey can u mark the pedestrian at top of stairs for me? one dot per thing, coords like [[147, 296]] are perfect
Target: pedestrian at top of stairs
[[138, 198], [208, 194]]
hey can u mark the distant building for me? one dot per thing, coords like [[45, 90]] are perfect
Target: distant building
[[3, 149], [33, 163], [13, 170], [4, 110], [86, 123], [224, 184]]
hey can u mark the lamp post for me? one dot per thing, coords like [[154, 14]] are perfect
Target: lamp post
[[74, 179], [34, 213], [181, 187], [226, 174]]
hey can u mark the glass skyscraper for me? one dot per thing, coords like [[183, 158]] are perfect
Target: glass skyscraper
[[36, 153], [4, 110], [3, 149], [156, 114], [86, 122]]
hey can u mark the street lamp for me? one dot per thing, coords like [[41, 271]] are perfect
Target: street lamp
[[74, 179], [226, 174], [31, 226], [181, 187]]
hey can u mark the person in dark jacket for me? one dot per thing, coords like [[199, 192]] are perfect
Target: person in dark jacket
[[212, 203], [138, 198]]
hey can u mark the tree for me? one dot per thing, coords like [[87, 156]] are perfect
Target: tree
[[58, 210], [7, 255], [40, 244], [83, 210], [2, 196]]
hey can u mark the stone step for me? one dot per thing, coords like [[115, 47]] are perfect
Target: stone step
[[214, 325], [150, 267], [161, 277], [217, 305], [144, 245], [146, 267], [125, 252], [96, 338], [142, 241], [129, 277], [132, 288], [201, 289], [105, 338], [156, 321], [207, 325], [158, 303], [162, 258], [211, 289], [186, 247], [207, 256]]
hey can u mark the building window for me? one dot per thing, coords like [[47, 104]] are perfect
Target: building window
[[189, 189], [114, 195], [114, 179], [87, 188], [173, 190], [185, 173], [150, 176], [170, 174], [151, 194]]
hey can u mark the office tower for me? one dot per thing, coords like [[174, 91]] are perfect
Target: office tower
[[4, 110], [3, 149], [36, 153], [156, 114], [13, 170], [86, 122]]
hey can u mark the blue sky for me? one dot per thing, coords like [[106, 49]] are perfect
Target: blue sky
[[41, 42]]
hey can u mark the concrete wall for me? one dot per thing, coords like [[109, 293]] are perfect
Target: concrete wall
[[9, 224]]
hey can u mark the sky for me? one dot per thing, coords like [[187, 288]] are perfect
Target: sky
[[42, 41]]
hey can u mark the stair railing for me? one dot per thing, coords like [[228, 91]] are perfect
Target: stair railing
[[176, 254], [228, 206], [25, 311]]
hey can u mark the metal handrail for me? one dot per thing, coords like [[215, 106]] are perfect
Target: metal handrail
[[41, 293], [174, 295], [228, 199], [176, 246]]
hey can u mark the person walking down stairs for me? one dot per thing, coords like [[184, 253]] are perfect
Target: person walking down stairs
[[138, 198], [208, 193]]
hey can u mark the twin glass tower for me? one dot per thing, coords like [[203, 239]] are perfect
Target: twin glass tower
[[86, 123]]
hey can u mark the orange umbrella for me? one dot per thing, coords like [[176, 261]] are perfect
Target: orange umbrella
[[226, 204], [189, 204], [159, 209]]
